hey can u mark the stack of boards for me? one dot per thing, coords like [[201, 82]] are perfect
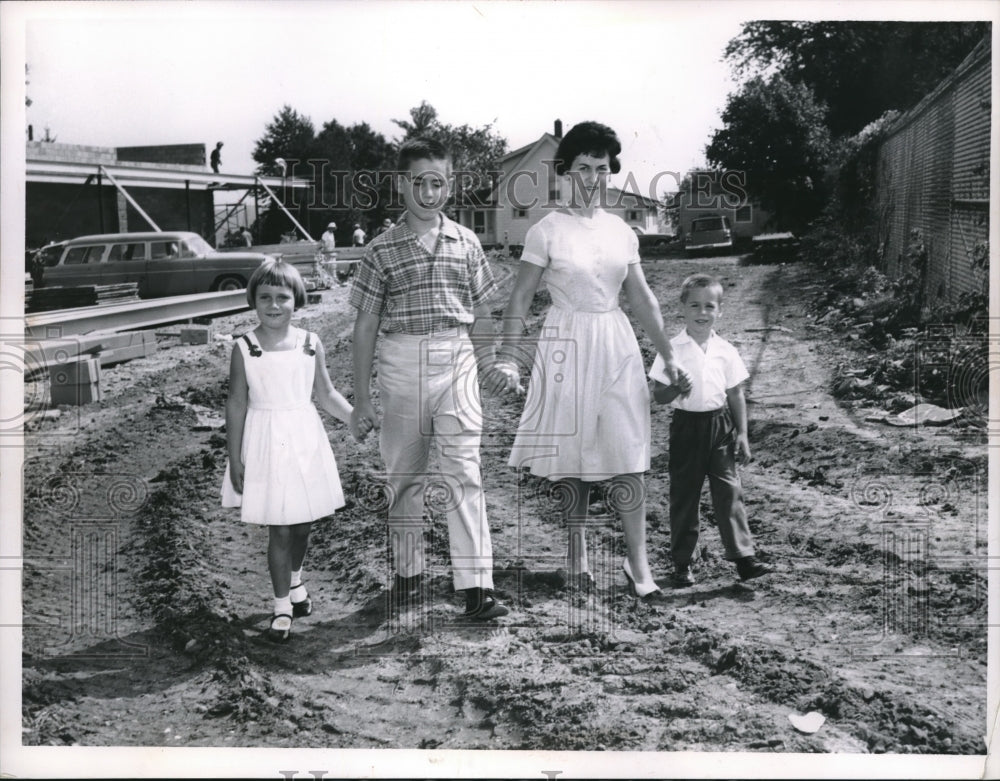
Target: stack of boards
[[46, 299]]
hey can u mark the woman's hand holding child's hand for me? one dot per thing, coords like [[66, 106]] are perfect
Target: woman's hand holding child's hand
[[503, 377], [678, 377], [363, 420]]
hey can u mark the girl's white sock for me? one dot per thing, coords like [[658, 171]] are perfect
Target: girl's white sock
[[296, 577], [282, 605]]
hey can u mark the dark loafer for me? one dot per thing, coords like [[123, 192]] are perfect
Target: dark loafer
[[682, 577], [406, 591], [481, 605], [748, 567]]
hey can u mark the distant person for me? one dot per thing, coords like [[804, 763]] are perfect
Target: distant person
[[281, 471], [386, 224], [708, 433], [329, 239], [216, 157], [358, 237], [246, 236], [328, 246]]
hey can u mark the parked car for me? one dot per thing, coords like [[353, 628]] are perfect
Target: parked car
[[655, 241], [708, 233], [165, 263]]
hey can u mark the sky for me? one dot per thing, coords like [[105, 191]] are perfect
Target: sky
[[124, 74], [150, 73]]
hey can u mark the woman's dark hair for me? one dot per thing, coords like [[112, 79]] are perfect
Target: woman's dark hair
[[588, 138], [278, 273]]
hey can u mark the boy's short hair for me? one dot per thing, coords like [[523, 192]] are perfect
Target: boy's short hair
[[588, 138], [277, 272], [700, 280], [421, 148]]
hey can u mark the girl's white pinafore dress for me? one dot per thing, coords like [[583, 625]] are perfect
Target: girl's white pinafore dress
[[290, 475]]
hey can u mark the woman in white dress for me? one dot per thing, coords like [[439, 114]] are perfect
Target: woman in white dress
[[586, 415]]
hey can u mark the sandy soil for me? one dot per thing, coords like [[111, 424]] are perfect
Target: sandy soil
[[145, 599]]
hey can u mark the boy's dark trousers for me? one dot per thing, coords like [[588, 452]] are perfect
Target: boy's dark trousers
[[704, 444]]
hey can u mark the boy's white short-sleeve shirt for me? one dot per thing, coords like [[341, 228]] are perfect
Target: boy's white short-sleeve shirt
[[712, 371]]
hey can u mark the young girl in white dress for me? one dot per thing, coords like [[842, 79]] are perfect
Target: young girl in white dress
[[281, 470], [586, 415]]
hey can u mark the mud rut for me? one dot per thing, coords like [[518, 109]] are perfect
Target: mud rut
[[144, 599]]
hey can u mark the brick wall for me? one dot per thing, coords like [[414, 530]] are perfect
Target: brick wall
[[75, 153], [177, 154]]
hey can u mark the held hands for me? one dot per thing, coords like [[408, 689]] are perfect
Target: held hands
[[502, 377], [678, 377], [363, 420]]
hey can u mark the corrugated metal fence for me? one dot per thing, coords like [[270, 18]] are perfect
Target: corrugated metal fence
[[934, 174]]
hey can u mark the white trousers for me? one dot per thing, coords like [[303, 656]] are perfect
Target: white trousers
[[429, 388]]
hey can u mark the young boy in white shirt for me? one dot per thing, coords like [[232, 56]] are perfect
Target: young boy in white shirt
[[708, 433]]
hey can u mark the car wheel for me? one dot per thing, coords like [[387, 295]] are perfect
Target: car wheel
[[228, 284]]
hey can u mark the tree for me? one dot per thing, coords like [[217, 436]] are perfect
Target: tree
[[356, 163], [290, 137], [476, 151], [775, 133], [859, 70], [424, 121]]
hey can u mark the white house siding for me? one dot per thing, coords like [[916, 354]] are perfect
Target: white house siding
[[529, 189]]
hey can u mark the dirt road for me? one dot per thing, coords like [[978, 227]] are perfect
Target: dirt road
[[145, 600]]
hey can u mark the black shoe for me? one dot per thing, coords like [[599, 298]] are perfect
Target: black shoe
[[748, 567], [582, 581], [405, 591], [303, 607], [481, 605], [279, 635], [682, 577]]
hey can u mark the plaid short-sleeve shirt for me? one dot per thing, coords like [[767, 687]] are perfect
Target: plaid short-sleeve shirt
[[415, 291]]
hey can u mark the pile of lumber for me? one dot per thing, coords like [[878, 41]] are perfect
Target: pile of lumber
[[45, 299]]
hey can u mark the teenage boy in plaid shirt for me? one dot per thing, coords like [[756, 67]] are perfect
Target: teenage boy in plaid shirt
[[425, 284]]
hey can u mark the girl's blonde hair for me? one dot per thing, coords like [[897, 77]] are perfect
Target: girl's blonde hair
[[280, 274]]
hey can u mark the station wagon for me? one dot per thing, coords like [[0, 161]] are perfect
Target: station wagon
[[166, 263]]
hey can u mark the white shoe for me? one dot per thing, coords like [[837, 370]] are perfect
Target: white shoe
[[640, 590]]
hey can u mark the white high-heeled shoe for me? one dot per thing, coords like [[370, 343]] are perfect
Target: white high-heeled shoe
[[647, 590]]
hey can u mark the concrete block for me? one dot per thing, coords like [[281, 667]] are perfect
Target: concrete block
[[77, 372], [196, 334], [75, 394]]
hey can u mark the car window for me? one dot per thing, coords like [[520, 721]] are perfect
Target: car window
[[709, 224], [162, 250], [186, 251], [127, 252], [79, 255], [198, 246]]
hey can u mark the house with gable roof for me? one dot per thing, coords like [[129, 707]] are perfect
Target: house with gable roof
[[527, 188]]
